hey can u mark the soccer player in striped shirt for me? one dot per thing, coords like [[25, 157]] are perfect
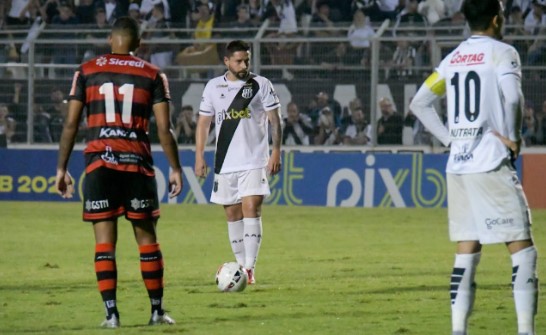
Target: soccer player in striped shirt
[[486, 204], [119, 92]]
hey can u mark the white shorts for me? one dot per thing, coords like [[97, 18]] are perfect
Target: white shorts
[[488, 207], [230, 188]]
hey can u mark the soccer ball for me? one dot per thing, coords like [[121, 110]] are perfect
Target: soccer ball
[[231, 277]]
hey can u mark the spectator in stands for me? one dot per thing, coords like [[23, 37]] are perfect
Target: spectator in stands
[[161, 55], [323, 19], [65, 53], [85, 11], [184, 130], [328, 132], [282, 13], [100, 33], [57, 111], [359, 34], [297, 128], [41, 120], [201, 52], [19, 13], [357, 132], [541, 125], [146, 7], [530, 125], [7, 126], [452, 7], [134, 12], [390, 124], [515, 28], [432, 10], [536, 54], [321, 101], [410, 19], [243, 25], [19, 113], [49, 9], [416, 131], [114, 10], [535, 19], [378, 10], [402, 62], [525, 5]]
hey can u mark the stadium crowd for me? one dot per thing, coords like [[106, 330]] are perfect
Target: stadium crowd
[[320, 122]]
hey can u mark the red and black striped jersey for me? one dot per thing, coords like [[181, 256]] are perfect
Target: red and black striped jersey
[[118, 92]]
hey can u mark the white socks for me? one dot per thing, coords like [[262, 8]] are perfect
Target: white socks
[[252, 240], [236, 233], [524, 286], [245, 237], [463, 290]]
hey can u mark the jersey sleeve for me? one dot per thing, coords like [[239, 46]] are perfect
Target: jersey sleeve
[[161, 92], [270, 100], [206, 107], [508, 63], [77, 90]]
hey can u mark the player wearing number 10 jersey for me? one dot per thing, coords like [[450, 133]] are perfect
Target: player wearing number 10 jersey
[[486, 204], [119, 92]]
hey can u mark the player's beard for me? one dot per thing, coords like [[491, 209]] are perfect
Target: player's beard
[[241, 75]]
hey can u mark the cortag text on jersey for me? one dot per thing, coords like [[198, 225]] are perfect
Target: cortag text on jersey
[[468, 59]]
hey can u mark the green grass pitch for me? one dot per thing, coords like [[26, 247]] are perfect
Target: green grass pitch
[[320, 271]]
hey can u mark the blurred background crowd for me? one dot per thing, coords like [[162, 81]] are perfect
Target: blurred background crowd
[[185, 39]]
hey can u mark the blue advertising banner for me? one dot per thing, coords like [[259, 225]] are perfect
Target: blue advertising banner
[[339, 179]]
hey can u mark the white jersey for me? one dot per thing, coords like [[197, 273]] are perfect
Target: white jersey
[[241, 107], [475, 109]]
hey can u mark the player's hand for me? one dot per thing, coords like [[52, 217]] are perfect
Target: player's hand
[[201, 168], [513, 146], [175, 183], [274, 165], [64, 184]]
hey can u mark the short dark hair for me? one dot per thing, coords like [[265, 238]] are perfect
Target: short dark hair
[[235, 46], [479, 13], [127, 25]]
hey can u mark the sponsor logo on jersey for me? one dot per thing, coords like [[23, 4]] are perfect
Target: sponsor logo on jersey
[[459, 133], [116, 132], [141, 203], [222, 86], [96, 204], [467, 59], [222, 96], [108, 156], [491, 222], [101, 61], [233, 114], [463, 157]]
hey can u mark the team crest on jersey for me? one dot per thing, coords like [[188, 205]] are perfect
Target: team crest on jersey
[[101, 61], [247, 92]]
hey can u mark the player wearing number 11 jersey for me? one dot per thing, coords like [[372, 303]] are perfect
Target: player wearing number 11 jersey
[[481, 79], [119, 92]]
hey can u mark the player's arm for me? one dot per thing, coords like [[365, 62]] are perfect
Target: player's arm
[[422, 106], [274, 164], [510, 85], [168, 143], [201, 135], [63, 180]]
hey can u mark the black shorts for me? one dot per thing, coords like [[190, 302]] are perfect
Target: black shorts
[[108, 194]]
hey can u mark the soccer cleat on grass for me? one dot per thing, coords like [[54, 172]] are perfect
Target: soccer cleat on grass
[[251, 278], [161, 319], [113, 322]]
